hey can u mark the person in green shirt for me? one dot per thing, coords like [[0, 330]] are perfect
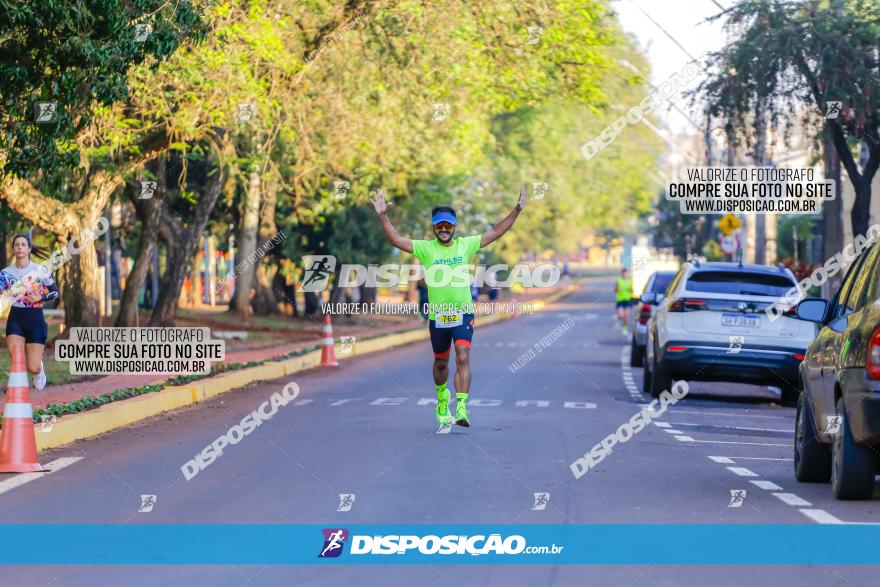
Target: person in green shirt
[[624, 292], [451, 315]]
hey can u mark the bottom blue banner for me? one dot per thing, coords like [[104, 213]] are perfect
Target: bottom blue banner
[[41, 544]]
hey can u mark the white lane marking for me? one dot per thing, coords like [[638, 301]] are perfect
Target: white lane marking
[[484, 403], [734, 442], [732, 415], [661, 424], [760, 458], [580, 405], [788, 431], [444, 429], [388, 401], [768, 485], [19, 480], [672, 431], [741, 471], [792, 499], [749, 428], [723, 460], [538, 402], [821, 516], [684, 438]]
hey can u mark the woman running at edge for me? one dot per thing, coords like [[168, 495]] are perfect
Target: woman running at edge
[[28, 285]]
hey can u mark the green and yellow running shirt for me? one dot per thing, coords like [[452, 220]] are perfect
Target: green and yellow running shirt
[[624, 289], [447, 273]]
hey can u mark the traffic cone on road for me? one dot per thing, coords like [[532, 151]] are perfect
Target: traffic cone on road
[[18, 443], [328, 351]]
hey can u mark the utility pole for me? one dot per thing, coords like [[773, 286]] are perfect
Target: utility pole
[[760, 158], [731, 160], [710, 161]]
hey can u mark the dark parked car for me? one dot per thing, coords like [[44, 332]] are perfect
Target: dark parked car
[[837, 427], [646, 306]]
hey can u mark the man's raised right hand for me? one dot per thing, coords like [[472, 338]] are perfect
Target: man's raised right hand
[[379, 202]]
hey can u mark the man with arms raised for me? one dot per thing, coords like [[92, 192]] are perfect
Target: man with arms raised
[[451, 319]]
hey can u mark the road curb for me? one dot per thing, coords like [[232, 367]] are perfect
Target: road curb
[[125, 412]]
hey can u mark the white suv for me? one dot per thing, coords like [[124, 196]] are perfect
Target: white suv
[[711, 326]]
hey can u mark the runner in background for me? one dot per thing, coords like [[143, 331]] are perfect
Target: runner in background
[[624, 291], [25, 286]]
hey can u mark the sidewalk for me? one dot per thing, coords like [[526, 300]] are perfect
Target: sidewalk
[[64, 393]]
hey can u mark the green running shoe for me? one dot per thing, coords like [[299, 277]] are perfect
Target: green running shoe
[[461, 413], [444, 418]]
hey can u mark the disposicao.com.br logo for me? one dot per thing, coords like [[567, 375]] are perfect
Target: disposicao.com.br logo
[[430, 544]]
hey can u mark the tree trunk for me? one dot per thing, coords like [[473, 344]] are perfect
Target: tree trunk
[[832, 214], [179, 260], [129, 306], [861, 210], [311, 303], [368, 294], [265, 301], [247, 245], [80, 288], [181, 245], [148, 212]]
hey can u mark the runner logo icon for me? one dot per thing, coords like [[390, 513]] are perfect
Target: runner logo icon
[[318, 269], [737, 496], [346, 500], [334, 540], [541, 500]]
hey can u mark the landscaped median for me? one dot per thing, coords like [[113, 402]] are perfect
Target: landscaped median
[[154, 399]]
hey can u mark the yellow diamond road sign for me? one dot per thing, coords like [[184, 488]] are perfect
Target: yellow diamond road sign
[[728, 224]]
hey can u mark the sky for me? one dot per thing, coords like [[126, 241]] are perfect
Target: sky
[[685, 21]]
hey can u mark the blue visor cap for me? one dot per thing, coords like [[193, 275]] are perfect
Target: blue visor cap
[[443, 217]]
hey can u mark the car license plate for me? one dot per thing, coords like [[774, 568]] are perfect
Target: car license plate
[[746, 320]]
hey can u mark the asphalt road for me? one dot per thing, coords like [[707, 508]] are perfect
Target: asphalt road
[[368, 429]]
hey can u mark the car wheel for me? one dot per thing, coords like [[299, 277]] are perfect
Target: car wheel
[[660, 379], [636, 354], [646, 376], [852, 464], [812, 459]]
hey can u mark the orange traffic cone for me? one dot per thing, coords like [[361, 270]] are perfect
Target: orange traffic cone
[[328, 350], [18, 444]]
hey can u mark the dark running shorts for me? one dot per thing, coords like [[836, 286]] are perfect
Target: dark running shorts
[[442, 338], [624, 304], [29, 323]]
